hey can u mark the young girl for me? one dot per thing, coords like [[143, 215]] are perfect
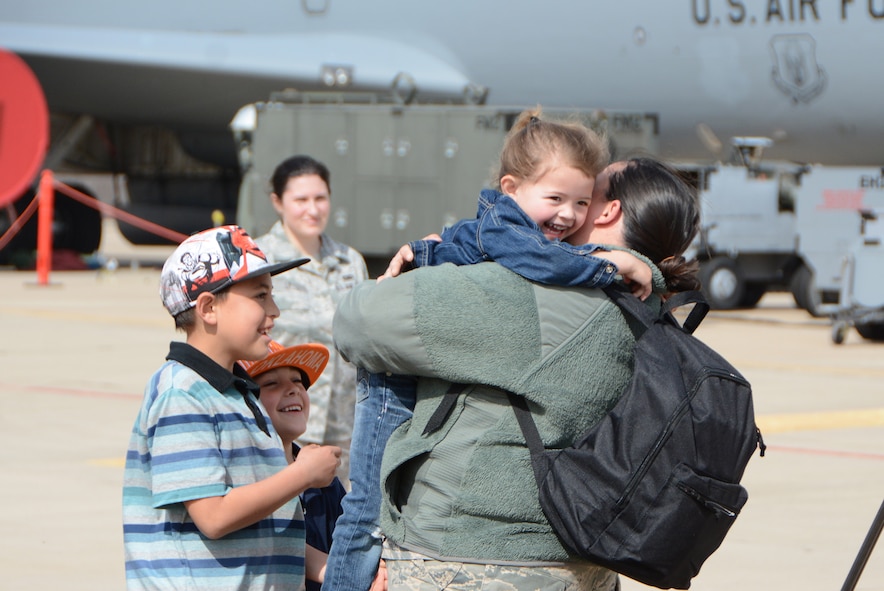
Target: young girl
[[546, 178], [547, 173]]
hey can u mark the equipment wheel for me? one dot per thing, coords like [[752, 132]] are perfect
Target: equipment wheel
[[874, 331], [805, 296], [752, 295], [76, 226], [839, 331], [722, 283]]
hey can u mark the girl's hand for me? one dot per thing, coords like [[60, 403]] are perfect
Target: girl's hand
[[636, 274], [402, 260]]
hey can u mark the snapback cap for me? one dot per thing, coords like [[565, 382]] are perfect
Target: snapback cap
[[311, 358], [210, 261]]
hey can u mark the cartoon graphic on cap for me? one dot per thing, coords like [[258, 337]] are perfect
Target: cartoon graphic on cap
[[197, 270], [210, 261], [203, 270]]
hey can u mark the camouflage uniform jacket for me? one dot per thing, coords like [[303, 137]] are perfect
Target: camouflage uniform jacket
[[307, 297]]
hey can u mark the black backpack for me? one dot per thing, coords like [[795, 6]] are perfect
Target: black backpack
[[652, 489]]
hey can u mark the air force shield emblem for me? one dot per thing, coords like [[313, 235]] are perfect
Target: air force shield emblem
[[796, 72]]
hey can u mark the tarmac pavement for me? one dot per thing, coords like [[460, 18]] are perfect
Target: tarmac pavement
[[76, 354]]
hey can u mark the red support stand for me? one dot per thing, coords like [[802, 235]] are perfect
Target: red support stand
[[44, 227]]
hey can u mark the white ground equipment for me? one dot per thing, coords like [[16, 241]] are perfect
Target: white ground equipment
[[861, 304], [399, 170], [776, 226]]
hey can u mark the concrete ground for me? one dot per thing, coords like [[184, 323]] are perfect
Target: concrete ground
[[76, 353]]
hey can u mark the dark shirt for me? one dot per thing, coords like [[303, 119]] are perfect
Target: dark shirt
[[322, 507]]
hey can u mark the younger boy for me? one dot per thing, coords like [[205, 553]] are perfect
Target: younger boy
[[209, 500], [284, 377]]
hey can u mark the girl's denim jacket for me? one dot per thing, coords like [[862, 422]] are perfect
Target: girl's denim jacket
[[503, 233]]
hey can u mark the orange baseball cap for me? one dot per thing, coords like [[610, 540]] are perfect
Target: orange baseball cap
[[311, 358]]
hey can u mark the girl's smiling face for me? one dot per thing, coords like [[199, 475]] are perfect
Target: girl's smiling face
[[558, 201]]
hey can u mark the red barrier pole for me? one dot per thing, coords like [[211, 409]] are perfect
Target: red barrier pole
[[44, 227]]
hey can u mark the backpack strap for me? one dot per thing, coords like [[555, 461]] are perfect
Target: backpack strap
[[630, 304], [523, 416], [531, 435], [440, 415], [697, 313]]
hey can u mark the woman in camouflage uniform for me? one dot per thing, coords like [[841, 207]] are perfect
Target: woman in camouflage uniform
[[308, 296]]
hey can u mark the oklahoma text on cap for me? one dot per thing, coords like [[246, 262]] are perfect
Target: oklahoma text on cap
[[311, 358]]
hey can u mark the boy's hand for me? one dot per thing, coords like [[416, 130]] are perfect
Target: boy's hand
[[319, 462], [402, 260], [636, 274]]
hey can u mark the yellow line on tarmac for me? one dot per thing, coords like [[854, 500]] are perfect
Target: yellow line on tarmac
[[867, 372], [814, 421]]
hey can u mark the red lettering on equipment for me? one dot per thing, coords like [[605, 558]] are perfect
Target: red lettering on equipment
[[842, 199]]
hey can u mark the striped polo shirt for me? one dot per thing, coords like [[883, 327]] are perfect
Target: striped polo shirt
[[200, 433]]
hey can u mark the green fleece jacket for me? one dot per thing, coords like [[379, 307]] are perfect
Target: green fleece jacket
[[467, 491]]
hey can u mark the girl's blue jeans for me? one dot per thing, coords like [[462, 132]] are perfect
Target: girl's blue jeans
[[383, 402]]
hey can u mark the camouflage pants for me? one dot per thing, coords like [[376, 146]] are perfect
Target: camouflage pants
[[432, 575]]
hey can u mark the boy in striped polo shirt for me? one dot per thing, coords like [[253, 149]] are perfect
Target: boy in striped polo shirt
[[209, 499]]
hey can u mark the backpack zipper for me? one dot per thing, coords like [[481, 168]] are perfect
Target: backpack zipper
[[706, 501], [667, 432]]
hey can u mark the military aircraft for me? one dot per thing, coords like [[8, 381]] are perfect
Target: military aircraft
[[120, 76]]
